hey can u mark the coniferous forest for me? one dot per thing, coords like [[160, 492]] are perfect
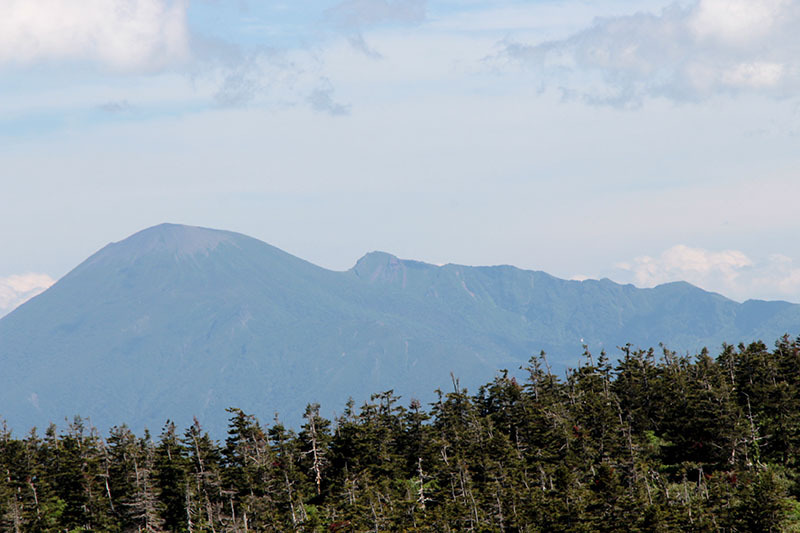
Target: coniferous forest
[[655, 441]]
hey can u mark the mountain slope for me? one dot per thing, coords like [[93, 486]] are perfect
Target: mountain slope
[[556, 314], [178, 321]]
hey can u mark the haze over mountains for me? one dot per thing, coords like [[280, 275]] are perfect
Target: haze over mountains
[[178, 321]]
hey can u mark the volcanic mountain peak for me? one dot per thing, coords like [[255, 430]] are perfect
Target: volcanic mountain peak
[[174, 240], [179, 321], [177, 239]]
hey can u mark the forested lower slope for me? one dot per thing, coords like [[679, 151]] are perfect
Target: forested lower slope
[[656, 442]]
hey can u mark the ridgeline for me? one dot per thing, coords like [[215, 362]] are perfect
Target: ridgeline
[[182, 322]]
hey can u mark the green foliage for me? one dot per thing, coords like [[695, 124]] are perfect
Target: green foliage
[[651, 444]]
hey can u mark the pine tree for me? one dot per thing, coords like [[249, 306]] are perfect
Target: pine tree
[[204, 498], [170, 473]]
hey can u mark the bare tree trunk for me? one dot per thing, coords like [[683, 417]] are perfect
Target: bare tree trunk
[[291, 498], [421, 496], [317, 464]]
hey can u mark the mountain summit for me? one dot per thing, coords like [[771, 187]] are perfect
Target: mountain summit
[[178, 321], [170, 238]]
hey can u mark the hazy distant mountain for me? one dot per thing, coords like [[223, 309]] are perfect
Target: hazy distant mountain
[[180, 321]]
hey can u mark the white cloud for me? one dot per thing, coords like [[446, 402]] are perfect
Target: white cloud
[[755, 75], [729, 272], [736, 22], [690, 264], [686, 52], [122, 34], [18, 289]]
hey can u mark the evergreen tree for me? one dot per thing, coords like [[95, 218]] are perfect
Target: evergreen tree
[[170, 469]]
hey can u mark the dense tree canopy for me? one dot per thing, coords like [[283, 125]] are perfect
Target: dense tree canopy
[[652, 442]]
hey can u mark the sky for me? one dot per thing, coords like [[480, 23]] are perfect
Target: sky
[[646, 141]]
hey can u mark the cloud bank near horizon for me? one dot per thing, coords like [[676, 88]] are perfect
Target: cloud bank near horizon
[[17, 289], [729, 272]]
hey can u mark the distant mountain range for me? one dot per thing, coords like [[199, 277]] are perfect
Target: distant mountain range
[[178, 321]]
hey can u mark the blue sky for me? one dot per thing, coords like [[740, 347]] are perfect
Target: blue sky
[[644, 141]]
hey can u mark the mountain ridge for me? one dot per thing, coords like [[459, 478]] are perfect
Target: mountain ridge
[[178, 321]]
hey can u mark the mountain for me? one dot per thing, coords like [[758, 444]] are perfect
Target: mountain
[[178, 321]]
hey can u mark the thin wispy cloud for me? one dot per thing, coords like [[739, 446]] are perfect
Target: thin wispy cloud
[[322, 100], [116, 106], [359, 14], [278, 78], [243, 81], [126, 35], [686, 52], [353, 17]]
